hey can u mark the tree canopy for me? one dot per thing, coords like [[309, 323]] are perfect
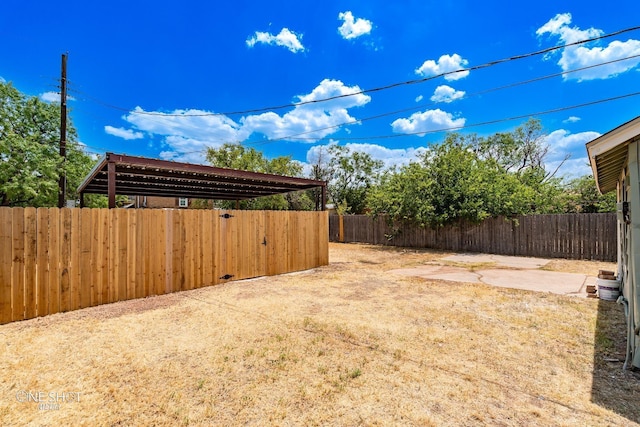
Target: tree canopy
[[582, 196], [30, 163], [473, 178], [350, 175], [236, 156]]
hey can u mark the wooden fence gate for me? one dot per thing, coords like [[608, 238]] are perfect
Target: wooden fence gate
[[54, 260]]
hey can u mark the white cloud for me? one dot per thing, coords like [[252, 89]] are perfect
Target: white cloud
[[580, 56], [2, 80], [572, 119], [427, 121], [446, 64], [571, 168], [389, 156], [285, 38], [190, 124], [188, 150], [311, 119], [185, 134], [562, 140], [127, 134], [54, 97], [560, 143], [352, 28], [419, 98], [446, 94]]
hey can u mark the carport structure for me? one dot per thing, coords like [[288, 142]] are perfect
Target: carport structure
[[55, 260], [141, 176]]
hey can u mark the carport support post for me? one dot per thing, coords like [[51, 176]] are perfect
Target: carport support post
[[324, 197], [111, 183], [82, 200]]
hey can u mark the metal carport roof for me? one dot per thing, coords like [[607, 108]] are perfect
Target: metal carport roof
[[141, 176]]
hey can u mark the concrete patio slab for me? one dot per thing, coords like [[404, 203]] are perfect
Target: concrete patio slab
[[526, 278], [536, 280], [438, 272], [500, 260]]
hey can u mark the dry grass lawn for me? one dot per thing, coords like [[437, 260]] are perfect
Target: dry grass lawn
[[347, 344]]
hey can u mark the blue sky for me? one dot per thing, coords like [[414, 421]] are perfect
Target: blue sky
[[162, 79]]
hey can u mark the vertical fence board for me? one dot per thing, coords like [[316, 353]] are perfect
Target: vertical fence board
[[6, 220], [323, 241], [74, 270], [176, 237], [260, 238], [86, 266], [208, 261], [200, 261], [132, 255], [104, 218], [42, 273], [146, 247], [30, 265], [55, 250], [122, 248], [163, 249], [188, 261], [231, 241], [277, 248], [141, 287], [96, 262], [217, 247], [17, 272], [65, 259]]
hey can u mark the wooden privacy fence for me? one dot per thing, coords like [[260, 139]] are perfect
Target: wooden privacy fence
[[572, 236], [54, 260]]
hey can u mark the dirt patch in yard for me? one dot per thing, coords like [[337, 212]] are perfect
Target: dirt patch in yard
[[345, 344]]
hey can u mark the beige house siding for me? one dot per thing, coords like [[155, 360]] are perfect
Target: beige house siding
[[615, 162]]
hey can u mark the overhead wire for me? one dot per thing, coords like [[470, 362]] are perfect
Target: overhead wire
[[292, 137], [375, 89], [461, 127], [490, 122]]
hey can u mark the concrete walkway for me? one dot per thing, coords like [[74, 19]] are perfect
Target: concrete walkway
[[518, 273]]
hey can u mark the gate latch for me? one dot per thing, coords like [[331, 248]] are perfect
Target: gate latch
[[226, 216], [264, 242]]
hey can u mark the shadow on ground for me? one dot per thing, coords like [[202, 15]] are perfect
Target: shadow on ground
[[613, 388]]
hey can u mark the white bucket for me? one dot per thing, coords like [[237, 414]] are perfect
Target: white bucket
[[608, 289]]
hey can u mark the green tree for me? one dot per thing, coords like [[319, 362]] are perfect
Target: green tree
[[523, 153], [582, 196], [236, 156], [449, 183], [350, 174], [30, 163], [518, 151]]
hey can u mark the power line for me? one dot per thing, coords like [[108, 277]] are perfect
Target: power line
[[457, 128], [417, 107], [495, 89], [454, 128], [376, 89]]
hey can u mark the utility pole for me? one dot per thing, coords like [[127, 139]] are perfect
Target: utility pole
[[62, 192]]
